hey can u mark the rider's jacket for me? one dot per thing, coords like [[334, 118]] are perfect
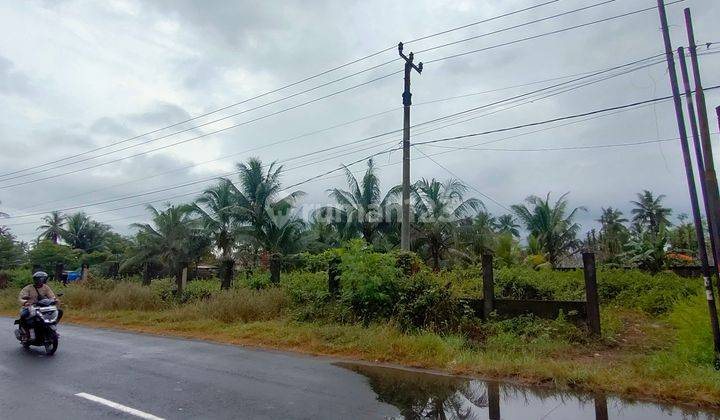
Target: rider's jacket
[[32, 294]]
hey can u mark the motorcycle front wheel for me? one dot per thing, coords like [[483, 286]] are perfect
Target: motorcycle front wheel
[[51, 344]]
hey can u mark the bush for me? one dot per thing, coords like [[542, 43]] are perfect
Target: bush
[[653, 294], [368, 281], [18, 277], [408, 262], [423, 302], [258, 280], [46, 254], [164, 289], [200, 290]]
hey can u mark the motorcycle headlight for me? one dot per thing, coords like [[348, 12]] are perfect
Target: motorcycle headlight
[[49, 316]]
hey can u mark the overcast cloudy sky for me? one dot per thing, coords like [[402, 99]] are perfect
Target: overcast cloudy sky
[[78, 75]]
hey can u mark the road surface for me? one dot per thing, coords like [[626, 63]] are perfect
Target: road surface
[[99, 374]]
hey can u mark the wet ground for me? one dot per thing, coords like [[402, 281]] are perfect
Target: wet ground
[[420, 395]]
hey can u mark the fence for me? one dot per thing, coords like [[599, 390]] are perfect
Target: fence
[[587, 311]]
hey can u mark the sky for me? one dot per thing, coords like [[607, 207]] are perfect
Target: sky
[[82, 83]]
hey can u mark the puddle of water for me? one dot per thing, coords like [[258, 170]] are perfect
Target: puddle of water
[[419, 395]]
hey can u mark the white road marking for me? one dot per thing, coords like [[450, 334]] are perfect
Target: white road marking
[[118, 407]]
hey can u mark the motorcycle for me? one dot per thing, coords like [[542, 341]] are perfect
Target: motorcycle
[[40, 327]]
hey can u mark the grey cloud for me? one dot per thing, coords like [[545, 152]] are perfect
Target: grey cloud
[[162, 113], [110, 126], [12, 81]]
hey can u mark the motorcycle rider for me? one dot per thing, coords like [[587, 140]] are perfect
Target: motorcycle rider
[[31, 294]]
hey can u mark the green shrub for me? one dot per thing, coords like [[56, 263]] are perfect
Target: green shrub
[[368, 281], [654, 294], [18, 277], [164, 289], [258, 280], [306, 288], [423, 302], [408, 262], [200, 289], [46, 254]]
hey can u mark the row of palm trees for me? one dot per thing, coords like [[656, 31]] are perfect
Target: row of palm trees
[[77, 230], [240, 221]]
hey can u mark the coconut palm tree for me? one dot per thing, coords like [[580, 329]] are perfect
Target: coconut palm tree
[[362, 210], [83, 233], [142, 252], [438, 206], [173, 237], [650, 212], [476, 237], [551, 223], [268, 220], [52, 228], [506, 224], [217, 210], [613, 232]]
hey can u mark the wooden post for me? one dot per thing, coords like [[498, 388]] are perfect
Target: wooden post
[[183, 279], [592, 301], [493, 390], [59, 267], [488, 286], [334, 277], [601, 410], [146, 274], [275, 266], [84, 272]]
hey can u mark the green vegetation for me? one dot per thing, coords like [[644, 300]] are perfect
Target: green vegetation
[[655, 341], [270, 283]]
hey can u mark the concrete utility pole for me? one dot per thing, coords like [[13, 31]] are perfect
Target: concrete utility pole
[[407, 101], [677, 100], [710, 177], [692, 116]]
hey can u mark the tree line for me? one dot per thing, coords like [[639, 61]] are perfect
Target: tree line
[[250, 222]]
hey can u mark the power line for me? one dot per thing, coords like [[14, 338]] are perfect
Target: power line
[[551, 149], [324, 174], [555, 32], [591, 73], [567, 117], [290, 108], [286, 87], [293, 158], [569, 12]]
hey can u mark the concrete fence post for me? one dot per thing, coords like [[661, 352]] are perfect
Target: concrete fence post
[[592, 301], [488, 286]]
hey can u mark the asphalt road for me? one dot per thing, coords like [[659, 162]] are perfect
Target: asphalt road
[[116, 373]]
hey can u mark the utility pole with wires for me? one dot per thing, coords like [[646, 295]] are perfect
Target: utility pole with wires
[[672, 72], [692, 116], [710, 177], [407, 101]]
